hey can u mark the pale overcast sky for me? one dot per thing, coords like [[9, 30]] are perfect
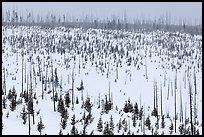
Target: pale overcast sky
[[191, 11]]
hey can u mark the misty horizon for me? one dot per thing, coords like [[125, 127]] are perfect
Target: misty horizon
[[190, 12]]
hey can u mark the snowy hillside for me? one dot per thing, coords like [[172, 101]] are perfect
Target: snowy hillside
[[99, 81]]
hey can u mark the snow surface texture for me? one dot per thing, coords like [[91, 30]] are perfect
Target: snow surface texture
[[125, 64]]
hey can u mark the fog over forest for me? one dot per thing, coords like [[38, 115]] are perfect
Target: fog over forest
[[191, 12]]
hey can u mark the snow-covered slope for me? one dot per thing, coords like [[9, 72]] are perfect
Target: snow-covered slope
[[120, 65]]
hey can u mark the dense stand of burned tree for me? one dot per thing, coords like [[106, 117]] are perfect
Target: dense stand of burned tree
[[15, 17]]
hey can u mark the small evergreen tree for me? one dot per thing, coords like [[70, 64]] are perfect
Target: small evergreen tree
[[107, 105], [129, 105], [181, 129], [87, 104], [40, 126], [125, 109], [60, 106], [106, 130], [162, 123], [74, 130], [9, 96], [111, 124], [148, 122], [100, 125], [134, 120], [13, 104], [171, 128], [64, 117], [136, 110], [4, 102], [125, 126], [141, 113], [67, 99], [24, 115], [155, 112]]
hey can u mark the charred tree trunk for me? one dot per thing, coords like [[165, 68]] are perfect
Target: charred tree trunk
[[73, 88], [181, 107], [195, 109], [168, 89], [4, 81], [29, 123], [46, 78], [53, 91], [25, 72], [42, 86], [185, 121], [22, 73], [164, 78], [146, 68], [190, 99], [175, 109], [33, 114], [154, 95], [161, 101], [172, 89]]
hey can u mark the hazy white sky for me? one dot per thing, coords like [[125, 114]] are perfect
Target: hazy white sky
[[191, 11]]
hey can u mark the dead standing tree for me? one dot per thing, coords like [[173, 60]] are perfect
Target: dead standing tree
[[190, 103]]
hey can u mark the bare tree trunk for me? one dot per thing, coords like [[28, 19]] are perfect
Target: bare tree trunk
[[181, 109], [22, 73], [195, 109], [190, 98], [185, 120], [143, 122], [146, 68], [175, 107], [185, 79], [109, 90], [46, 78], [53, 92], [141, 116], [73, 88], [154, 95], [5, 80], [108, 67], [33, 114], [25, 72], [29, 123], [161, 101], [171, 89], [42, 84], [164, 78], [79, 64]]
